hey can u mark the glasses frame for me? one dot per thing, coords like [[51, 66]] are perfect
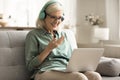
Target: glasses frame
[[55, 18]]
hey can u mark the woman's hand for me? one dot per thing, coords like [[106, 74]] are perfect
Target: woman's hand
[[55, 43], [52, 44]]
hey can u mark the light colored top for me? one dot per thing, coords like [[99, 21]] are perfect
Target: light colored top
[[37, 40]]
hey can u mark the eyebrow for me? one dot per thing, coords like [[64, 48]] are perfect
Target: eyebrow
[[61, 17], [53, 16]]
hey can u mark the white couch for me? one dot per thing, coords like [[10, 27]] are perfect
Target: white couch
[[12, 62], [111, 50]]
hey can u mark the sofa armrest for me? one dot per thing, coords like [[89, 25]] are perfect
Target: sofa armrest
[[112, 51]]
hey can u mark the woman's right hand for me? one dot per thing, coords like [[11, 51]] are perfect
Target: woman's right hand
[[52, 44], [55, 43]]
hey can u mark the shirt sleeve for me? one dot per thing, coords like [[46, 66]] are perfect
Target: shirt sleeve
[[31, 52]]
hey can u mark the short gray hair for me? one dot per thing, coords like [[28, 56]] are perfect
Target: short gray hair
[[51, 8]]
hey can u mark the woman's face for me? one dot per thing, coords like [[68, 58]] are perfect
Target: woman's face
[[53, 20]]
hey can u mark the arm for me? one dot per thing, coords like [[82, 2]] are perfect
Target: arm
[[33, 57], [31, 52], [52, 44]]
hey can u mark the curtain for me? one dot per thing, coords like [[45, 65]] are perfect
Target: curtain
[[112, 18]]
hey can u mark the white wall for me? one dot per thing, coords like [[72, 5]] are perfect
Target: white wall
[[1, 6], [85, 7]]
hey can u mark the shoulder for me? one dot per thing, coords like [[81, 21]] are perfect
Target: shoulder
[[33, 32], [67, 32], [70, 37]]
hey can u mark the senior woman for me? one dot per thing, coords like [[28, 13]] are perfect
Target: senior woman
[[47, 49]]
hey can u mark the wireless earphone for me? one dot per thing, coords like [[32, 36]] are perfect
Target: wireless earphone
[[42, 14]]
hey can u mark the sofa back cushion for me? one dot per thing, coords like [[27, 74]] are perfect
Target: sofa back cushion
[[12, 61]]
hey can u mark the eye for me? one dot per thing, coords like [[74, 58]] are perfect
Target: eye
[[59, 18], [53, 17], [56, 18]]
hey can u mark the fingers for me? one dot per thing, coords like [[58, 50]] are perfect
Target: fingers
[[60, 40], [57, 42]]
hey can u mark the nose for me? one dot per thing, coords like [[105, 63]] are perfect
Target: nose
[[57, 20]]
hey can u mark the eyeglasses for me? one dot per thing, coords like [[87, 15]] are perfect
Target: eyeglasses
[[56, 18]]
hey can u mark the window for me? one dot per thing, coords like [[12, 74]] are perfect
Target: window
[[25, 12], [112, 18]]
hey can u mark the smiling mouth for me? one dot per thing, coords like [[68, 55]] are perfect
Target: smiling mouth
[[54, 25]]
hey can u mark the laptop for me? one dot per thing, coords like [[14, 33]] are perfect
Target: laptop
[[84, 59]]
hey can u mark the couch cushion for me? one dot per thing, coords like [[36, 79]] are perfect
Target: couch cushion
[[110, 78], [18, 72], [112, 51], [4, 40], [12, 61], [109, 66]]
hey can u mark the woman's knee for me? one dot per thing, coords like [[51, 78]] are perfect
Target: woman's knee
[[91, 75], [79, 76]]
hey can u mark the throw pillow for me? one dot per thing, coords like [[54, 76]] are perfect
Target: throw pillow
[[109, 66]]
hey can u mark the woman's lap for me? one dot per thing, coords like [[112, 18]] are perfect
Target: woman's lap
[[58, 75]]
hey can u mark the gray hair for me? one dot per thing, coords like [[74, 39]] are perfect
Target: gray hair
[[51, 8]]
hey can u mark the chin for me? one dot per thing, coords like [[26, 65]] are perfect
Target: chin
[[55, 28]]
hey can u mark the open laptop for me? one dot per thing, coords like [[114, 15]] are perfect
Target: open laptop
[[84, 59]]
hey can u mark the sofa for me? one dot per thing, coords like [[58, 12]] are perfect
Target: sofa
[[12, 61], [110, 61]]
